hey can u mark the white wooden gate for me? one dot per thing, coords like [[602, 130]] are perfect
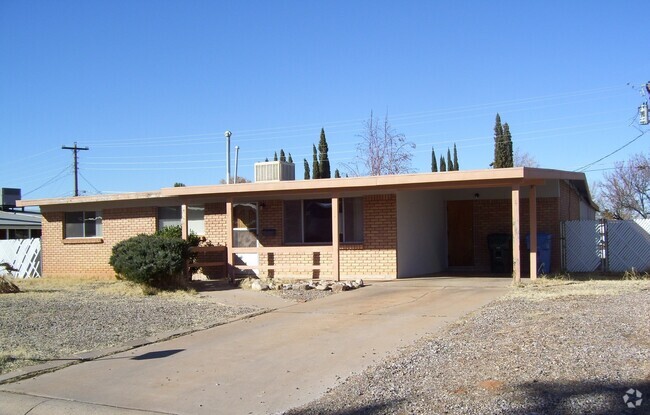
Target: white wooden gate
[[615, 246], [23, 255]]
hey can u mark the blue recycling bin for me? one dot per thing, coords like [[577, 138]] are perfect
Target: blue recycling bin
[[543, 251]]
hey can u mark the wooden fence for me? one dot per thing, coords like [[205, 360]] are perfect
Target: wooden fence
[[607, 246], [23, 257]]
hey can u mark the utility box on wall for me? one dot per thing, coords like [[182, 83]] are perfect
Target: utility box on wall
[[274, 171]]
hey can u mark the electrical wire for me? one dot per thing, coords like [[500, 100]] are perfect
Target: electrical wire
[[54, 179], [586, 166], [91, 185], [274, 131]]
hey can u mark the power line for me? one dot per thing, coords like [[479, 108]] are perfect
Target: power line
[[586, 166], [91, 185], [274, 131], [52, 180]]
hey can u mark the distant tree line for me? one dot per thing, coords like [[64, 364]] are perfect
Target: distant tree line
[[448, 165]]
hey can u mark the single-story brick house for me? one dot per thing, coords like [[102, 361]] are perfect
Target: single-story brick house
[[380, 227]]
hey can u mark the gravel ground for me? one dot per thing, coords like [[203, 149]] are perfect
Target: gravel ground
[[300, 295], [553, 348], [51, 320]]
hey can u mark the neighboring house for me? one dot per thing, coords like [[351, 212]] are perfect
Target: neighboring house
[[19, 225], [380, 227]]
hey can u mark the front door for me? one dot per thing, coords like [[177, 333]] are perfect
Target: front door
[[460, 233]]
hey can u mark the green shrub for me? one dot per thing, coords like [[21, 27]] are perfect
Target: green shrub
[[153, 260], [176, 232]]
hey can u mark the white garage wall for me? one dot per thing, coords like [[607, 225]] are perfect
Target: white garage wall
[[421, 233]]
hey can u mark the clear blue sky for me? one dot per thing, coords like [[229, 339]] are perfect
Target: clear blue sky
[[150, 86]]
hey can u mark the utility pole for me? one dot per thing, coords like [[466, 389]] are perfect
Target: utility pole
[[75, 150]]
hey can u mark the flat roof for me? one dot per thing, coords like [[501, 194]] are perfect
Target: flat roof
[[515, 176], [20, 219]]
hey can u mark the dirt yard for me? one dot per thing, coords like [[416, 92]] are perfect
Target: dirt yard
[[555, 347], [55, 319]]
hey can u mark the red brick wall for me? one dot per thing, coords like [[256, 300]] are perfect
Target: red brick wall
[[495, 216], [569, 203], [216, 225], [88, 257], [270, 216], [377, 256]]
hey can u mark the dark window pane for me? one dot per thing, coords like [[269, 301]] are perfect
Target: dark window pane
[[90, 227], [74, 222], [318, 220], [18, 233], [83, 224], [353, 219], [292, 221], [169, 216], [35, 233]]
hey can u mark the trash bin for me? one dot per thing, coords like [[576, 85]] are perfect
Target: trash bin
[[543, 252], [500, 245]]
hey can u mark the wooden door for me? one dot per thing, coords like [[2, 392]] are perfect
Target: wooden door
[[460, 232]]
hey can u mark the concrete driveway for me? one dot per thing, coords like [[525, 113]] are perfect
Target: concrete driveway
[[266, 364]]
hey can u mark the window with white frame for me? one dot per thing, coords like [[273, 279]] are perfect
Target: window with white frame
[[85, 224], [173, 216], [310, 221], [196, 220]]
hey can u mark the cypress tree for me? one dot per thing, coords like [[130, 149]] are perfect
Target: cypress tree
[[315, 168], [508, 160], [443, 165], [290, 158], [450, 164], [266, 160], [282, 156], [434, 162], [498, 139], [307, 172], [324, 163], [275, 156], [337, 175], [455, 158]]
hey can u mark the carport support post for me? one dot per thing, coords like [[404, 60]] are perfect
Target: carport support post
[[532, 202], [336, 274], [516, 252], [229, 262], [184, 231]]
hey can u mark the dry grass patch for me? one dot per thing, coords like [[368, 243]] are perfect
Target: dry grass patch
[[54, 319], [98, 286], [550, 288]]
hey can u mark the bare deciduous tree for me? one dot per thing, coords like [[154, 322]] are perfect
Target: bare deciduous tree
[[381, 151], [524, 159], [625, 193]]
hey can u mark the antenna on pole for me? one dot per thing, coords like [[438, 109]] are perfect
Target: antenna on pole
[[236, 162], [227, 134], [75, 151]]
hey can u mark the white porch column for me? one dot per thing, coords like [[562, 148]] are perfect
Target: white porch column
[[336, 271], [184, 230], [229, 246], [516, 255], [532, 200]]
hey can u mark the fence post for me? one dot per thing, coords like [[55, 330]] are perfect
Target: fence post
[[604, 250]]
